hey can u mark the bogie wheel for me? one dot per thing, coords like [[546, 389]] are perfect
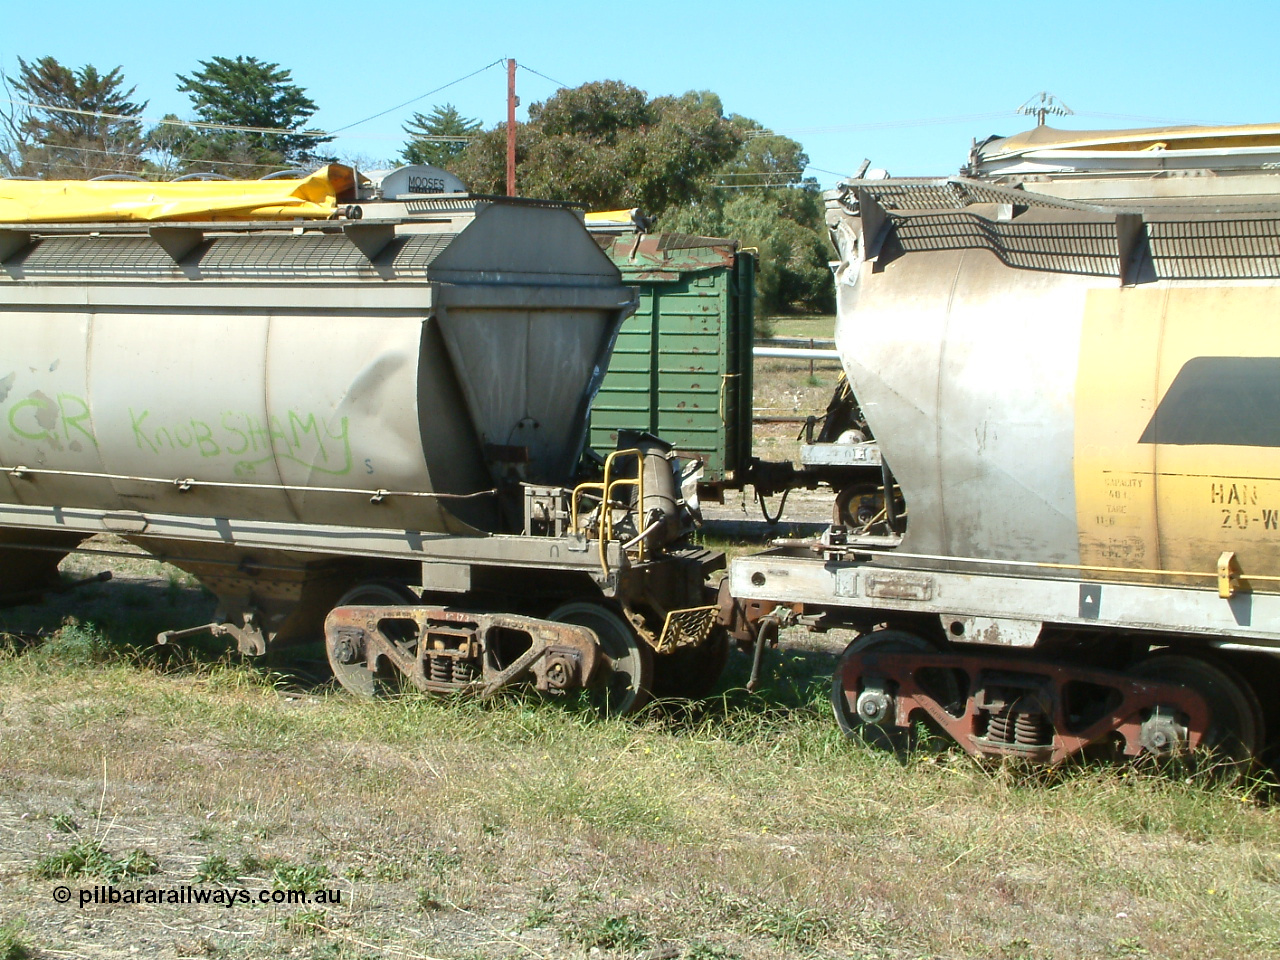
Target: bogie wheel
[[627, 681], [356, 677], [884, 733], [691, 673], [1235, 730]]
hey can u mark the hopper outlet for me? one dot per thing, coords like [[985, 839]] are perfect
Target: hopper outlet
[[528, 377]]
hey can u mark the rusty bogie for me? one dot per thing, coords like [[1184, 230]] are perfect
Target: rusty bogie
[[443, 650], [1011, 707]]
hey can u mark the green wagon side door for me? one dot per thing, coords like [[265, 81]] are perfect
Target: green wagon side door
[[681, 366]]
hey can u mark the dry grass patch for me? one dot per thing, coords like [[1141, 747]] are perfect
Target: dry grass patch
[[748, 828], [745, 827]]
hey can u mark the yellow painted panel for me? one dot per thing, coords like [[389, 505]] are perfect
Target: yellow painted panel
[[1178, 429], [1115, 397], [88, 201]]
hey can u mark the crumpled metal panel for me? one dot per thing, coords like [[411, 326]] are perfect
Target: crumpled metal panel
[[666, 257]]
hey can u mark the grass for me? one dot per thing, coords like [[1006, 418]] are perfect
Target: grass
[[817, 325], [612, 933], [744, 827], [13, 946], [786, 388], [215, 869], [88, 858], [299, 876]]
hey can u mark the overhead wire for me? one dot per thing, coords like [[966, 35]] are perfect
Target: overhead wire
[[521, 66], [1130, 116], [400, 106], [167, 121], [238, 128], [834, 173], [60, 148]]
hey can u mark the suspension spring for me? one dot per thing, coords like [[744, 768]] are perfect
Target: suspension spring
[[464, 671], [1000, 727], [441, 669], [1032, 729]]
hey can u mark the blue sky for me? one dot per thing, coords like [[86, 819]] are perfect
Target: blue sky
[[906, 85]]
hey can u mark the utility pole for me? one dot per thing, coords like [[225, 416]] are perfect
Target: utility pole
[[1044, 103], [511, 127]]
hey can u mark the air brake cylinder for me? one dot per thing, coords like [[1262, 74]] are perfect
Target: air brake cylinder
[[660, 512]]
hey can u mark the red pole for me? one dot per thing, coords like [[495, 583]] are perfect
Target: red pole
[[511, 127]]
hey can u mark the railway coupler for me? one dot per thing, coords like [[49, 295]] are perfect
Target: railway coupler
[[444, 650]]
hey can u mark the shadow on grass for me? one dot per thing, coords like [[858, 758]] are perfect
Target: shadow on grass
[[117, 622], [795, 685]]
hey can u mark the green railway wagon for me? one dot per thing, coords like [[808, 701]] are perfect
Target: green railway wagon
[[681, 368]]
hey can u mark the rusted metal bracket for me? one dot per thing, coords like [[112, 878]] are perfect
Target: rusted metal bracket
[[249, 638], [741, 617]]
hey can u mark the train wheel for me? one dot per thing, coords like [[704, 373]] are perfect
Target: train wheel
[[628, 682], [356, 677], [858, 506], [871, 716], [1235, 730], [691, 673]]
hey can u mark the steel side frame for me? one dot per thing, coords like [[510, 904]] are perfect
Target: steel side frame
[[784, 577], [554, 553]]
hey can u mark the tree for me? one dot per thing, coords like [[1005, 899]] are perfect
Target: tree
[[761, 198], [443, 121], [609, 146], [99, 138], [764, 159], [244, 92], [606, 144]]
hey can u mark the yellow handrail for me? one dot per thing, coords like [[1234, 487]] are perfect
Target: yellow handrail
[[606, 489]]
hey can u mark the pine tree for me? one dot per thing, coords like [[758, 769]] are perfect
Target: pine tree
[[55, 144], [443, 121], [246, 92]]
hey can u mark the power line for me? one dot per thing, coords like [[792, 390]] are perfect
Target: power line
[[765, 173], [1129, 116], [834, 173], [422, 97], [890, 124], [169, 121], [59, 148], [966, 118], [756, 186], [542, 75], [203, 125], [52, 163]]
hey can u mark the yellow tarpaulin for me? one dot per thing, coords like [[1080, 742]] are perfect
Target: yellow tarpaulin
[[96, 201]]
